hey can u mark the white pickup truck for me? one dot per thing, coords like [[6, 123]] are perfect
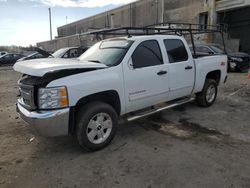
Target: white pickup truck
[[123, 77]]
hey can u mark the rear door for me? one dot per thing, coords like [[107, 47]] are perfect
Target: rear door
[[145, 77], [181, 68]]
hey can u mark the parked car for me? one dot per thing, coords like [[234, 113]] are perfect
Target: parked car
[[40, 53], [237, 61], [10, 58], [3, 53], [70, 52], [121, 77], [35, 55]]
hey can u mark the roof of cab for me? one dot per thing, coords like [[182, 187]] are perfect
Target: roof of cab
[[134, 38]]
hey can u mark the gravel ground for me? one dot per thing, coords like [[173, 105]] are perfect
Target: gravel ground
[[187, 146]]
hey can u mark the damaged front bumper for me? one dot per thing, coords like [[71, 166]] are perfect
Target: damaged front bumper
[[47, 123]]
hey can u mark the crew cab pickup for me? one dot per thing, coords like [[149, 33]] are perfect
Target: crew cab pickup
[[124, 77]]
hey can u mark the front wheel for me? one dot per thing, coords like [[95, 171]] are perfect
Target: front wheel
[[209, 93], [96, 125]]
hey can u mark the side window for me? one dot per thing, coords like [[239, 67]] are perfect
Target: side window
[[203, 49], [147, 54], [73, 53], [66, 55], [38, 56], [176, 50]]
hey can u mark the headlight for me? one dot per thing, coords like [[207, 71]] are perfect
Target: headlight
[[52, 98]]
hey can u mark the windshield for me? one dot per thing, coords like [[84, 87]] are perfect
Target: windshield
[[109, 52], [59, 53]]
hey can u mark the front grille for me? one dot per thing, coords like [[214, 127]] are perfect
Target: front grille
[[26, 96]]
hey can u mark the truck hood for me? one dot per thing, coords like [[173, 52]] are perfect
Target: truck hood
[[43, 52], [40, 67]]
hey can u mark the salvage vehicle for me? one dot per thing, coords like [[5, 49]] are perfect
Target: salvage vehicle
[[40, 53], [237, 61], [70, 52], [35, 55], [3, 53], [10, 58], [119, 78]]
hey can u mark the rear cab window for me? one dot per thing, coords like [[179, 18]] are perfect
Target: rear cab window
[[203, 49]]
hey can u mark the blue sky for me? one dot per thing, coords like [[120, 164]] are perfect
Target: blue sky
[[25, 22]]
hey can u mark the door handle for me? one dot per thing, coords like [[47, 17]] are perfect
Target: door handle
[[162, 72], [188, 67]]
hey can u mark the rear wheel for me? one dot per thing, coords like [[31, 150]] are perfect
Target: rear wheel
[[209, 93], [96, 125]]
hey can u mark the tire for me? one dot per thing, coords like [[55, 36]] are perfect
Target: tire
[[205, 99], [96, 125]]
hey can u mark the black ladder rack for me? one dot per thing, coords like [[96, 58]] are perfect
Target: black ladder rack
[[165, 28]]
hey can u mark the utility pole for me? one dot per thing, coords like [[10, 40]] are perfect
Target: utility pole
[[162, 10], [157, 11], [50, 24], [130, 14]]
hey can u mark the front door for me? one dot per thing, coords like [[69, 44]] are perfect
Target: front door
[[146, 78]]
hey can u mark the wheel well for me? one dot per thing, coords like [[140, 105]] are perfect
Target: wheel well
[[111, 97], [215, 75]]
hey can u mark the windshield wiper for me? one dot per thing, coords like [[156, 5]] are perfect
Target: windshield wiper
[[95, 61]]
